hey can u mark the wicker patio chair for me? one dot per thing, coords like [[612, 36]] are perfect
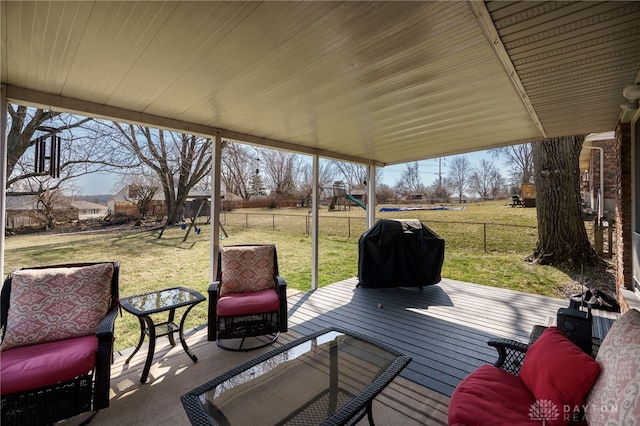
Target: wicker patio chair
[[82, 385], [249, 298], [511, 353]]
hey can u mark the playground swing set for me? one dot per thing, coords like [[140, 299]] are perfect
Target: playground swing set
[[196, 214], [340, 199]]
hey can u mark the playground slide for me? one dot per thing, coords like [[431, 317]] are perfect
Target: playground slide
[[355, 200]]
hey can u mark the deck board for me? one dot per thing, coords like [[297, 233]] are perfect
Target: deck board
[[444, 327]]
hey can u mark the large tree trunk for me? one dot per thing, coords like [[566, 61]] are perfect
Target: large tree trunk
[[562, 237]]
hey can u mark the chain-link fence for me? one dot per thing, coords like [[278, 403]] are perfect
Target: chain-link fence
[[487, 237]]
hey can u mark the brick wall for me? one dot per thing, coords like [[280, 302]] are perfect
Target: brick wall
[[623, 211]]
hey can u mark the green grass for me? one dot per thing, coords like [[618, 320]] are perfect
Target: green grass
[[149, 263]]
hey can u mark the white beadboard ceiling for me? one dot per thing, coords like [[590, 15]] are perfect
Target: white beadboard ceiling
[[376, 82]]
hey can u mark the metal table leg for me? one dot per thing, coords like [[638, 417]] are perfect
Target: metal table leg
[[172, 315], [181, 334], [152, 348], [139, 341]]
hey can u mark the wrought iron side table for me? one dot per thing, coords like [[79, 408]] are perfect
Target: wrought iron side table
[[146, 304]]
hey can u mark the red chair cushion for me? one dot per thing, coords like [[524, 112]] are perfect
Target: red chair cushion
[[31, 367], [490, 396], [259, 302], [557, 371]]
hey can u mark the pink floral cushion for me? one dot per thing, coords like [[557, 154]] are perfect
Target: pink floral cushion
[[52, 304], [247, 268], [615, 397]]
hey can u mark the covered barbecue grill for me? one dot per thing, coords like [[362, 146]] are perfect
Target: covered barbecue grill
[[399, 253]]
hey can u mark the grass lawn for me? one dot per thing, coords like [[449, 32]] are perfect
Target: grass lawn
[[149, 263]]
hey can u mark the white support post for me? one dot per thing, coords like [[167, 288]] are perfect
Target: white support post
[[315, 201], [216, 151], [3, 172], [371, 195], [601, 189]]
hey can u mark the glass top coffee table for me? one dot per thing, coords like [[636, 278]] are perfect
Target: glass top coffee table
[[144, 305], [326, 378]]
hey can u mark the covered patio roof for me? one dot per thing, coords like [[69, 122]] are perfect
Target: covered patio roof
[[374, 82]]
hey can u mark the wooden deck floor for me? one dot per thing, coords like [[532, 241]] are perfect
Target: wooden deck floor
[[172, 374], [444, 327]]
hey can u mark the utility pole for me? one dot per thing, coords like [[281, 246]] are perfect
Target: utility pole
[[440, 173]]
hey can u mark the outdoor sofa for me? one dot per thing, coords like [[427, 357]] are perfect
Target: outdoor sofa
[[553, 382]]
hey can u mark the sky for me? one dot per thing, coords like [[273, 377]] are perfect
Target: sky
[[429, 169], [97, 183], [105, 183]]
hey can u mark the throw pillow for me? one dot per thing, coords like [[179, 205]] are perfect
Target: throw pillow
[[247, 268], [559, 374], [615, 397], [52, 304]]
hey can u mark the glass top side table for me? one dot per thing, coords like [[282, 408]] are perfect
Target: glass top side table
[[146, 304]]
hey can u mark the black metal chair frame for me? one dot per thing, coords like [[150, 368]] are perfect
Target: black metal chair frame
[[250, 324], [511, 353], [88, 392]]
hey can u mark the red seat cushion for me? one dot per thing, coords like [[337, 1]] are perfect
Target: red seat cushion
[[31, 367], [490, 396], [258, 302]]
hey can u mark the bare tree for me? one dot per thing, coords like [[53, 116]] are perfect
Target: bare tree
[[83, 148], [142, 189], [481, 178], [441, 190], [409, 181], [385, 194], [282, 169], [562, 237], [179, 160], [54, 207], [238, 164], [520, 159], [353, 175], [497, 184], [326, 177], [460, 174]]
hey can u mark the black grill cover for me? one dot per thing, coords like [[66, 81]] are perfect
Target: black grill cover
[[399, 253]]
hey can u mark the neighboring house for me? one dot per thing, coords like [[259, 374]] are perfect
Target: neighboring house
[[124, 202], [416, 196], [88, 210], [22, 212]]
